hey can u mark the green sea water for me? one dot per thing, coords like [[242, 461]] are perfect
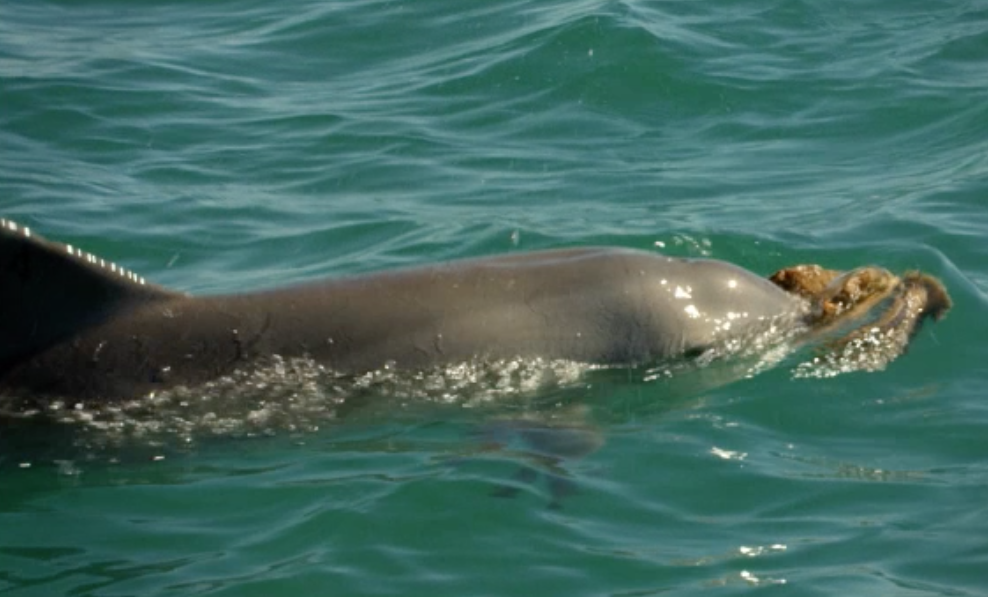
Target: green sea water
[[228, 145]]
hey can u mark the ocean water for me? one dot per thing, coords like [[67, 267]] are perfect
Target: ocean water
[[234, 144]]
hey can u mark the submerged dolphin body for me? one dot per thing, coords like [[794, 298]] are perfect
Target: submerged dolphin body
[[74, 326]]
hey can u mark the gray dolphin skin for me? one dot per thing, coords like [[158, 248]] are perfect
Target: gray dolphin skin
[[75, 326]]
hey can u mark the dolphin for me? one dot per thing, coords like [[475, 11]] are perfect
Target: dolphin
[[74, 326]]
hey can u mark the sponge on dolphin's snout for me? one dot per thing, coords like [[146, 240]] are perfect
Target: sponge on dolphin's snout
[[872, 313]]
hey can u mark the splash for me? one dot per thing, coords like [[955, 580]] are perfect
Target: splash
[[299, 395]]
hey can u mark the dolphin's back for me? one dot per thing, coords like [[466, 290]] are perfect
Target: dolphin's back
[[599, 305], [50, 292]]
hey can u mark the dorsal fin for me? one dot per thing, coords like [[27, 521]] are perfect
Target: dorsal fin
[[50, 291]]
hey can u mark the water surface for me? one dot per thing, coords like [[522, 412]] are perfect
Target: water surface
[[230, 145]]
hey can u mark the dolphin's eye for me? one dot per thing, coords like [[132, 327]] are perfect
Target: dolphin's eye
[[695, 352]]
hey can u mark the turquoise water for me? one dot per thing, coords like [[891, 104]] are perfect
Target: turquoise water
[[228, 145]]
